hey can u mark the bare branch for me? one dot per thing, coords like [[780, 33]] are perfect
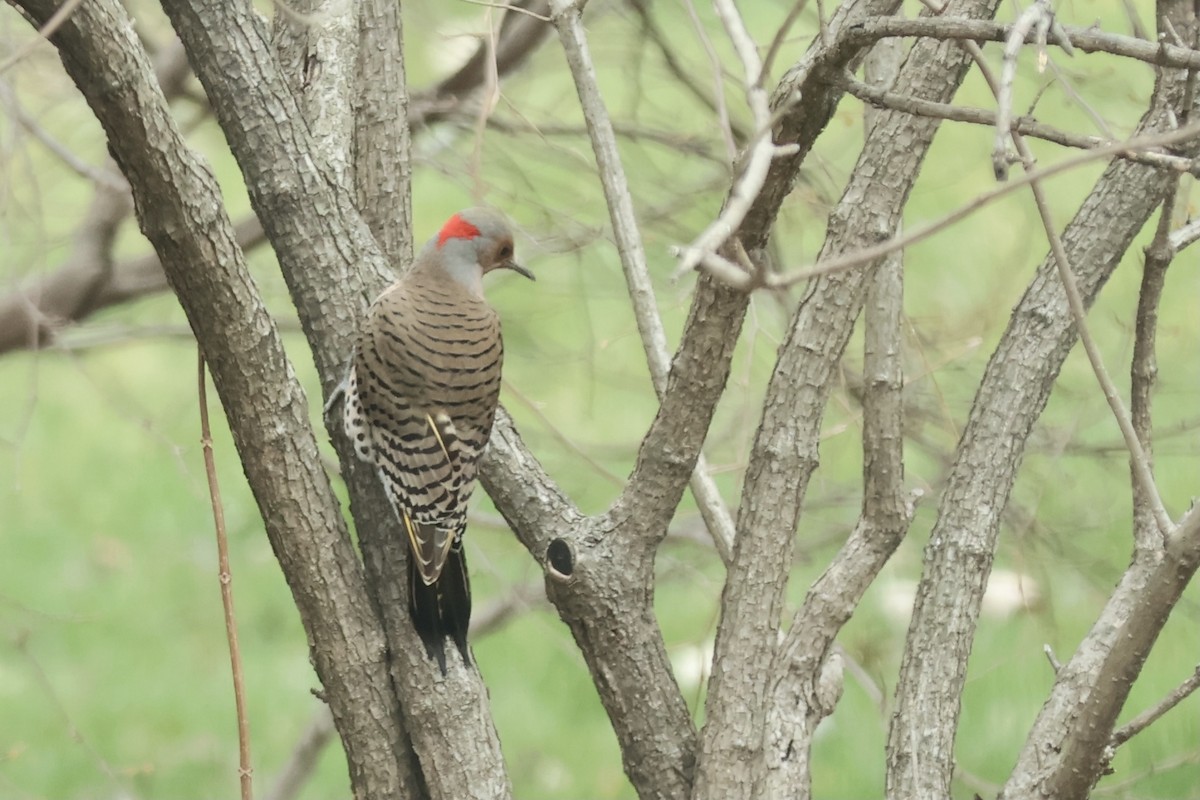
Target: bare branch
[[332, 265], [780, 36], [714, 102], [104, 177], [957, 562], [1143, 370], [1185, 237], [225, 578], [784, 454], [523, 29], [1068, 746], [569, 23], [1087, 40], [1152, 714], [181, 212], [81, 286], [30, 316], [1035, 17], [601, 588], [1139, 460], [858, 258], [88, 281], [1146, 490], [754, 163], [718, 82], [807, 660], [1026, 126], [633, 261], [46, 29]]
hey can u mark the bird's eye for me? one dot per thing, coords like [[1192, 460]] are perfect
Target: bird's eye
[[506, 251]]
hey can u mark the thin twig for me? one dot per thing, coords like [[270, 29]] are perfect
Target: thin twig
[[1055, 664], [1135, 22], [1029, 19], [1151, 715], [509, 7], [718, 78], [117, 782], [489, 100], [1025, 125], [682, 73], [12, 106], [1139, 459], [245, 770], [562, 438], [1087, 40], [1186, 236], [1143, 366], [44, 33], [779, 39], [569, 23], [738, 278], [756, 162]]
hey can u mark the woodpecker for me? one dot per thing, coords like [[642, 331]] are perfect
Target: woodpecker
[[420, 398]]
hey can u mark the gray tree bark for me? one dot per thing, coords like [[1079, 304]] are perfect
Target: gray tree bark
[[317, 110]]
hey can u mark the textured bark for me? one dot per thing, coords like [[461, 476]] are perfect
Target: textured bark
[[808, 677], [608, 599], [382, 144], [332, 265], [316, 116], [180, 210], [354, 100], [1068, 747], [958, 559], [784, 454], [87, 282]]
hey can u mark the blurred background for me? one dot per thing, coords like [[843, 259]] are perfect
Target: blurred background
[[114, 672]]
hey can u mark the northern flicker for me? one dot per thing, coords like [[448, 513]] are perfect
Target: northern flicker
[[420, 397]]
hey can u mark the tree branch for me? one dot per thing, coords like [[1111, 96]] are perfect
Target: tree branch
[[520, 36], [180, 211], [1013, 393], [784, 454], [1087, 40], [1067, 748], [641, 290], [88, 280], [807, 666], [1026, 126], [1153, 714], [30, 316], [81, 286], [332, 266], [382, 143]]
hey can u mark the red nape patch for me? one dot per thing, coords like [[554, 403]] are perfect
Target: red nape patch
[[456, 228]]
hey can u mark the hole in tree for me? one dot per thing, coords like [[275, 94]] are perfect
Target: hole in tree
[[560, 557]]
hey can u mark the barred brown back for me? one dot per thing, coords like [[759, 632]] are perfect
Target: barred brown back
[[422, 395]]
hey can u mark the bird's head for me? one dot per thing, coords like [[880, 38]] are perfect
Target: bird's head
[[474, 242]]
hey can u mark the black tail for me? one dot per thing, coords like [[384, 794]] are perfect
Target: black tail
[[443, 608]]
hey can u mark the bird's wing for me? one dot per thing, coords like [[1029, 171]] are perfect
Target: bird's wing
[[426, 380]]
